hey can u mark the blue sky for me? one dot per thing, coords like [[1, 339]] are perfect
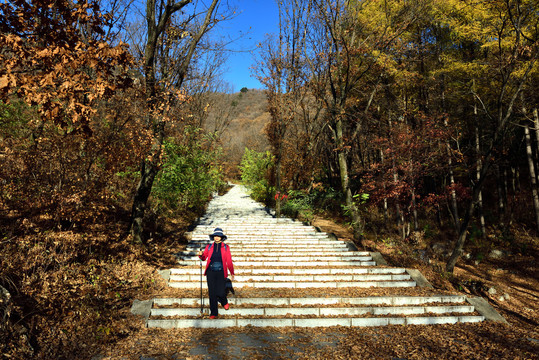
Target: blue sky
[[257, 18]]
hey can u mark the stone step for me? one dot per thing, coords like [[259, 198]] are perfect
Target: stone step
[[250, 223], [298, 278], [275, 256], [260, 230], [241, 257], [310, 322], [254, 227], [298, 271], [320, 250], [338, 263], [284, 243], [288, 301], [281, 253], [304, 284], [267, 234], [321, 311], [269, 239], [278, 246]]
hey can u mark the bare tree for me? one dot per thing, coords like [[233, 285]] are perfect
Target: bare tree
[[173, 74]]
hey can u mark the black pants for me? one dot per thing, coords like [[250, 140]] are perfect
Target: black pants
[[216, 289]]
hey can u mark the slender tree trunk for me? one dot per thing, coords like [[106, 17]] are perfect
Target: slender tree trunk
[[278, 182], [533, 177], [454, 203], [414, 209], [386, 214], [398, 213], [463, 230], [536, 126], [397, 205], [477, 175], [345, 180], [501, 203], [480, 211]]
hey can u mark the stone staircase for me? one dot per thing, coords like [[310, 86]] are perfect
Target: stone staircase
[[290, 274]]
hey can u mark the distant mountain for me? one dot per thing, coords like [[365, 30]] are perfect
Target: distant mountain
[[240, 119]]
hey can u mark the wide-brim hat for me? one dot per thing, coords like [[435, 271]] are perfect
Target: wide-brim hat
[[218, 232]]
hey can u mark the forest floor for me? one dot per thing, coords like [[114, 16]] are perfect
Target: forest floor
[[72, 291]]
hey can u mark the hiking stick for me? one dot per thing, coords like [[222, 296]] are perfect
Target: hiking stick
[[201, 297]]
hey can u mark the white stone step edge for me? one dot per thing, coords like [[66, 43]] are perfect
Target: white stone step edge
[[286, 263], [281, 251], [297, 271], [297, 240], [323, 243], [279, 247], [253, 225], [275, 241], [298, 258], [321, 311], [305, 285], [306, 238], [296, 278], [290, 301], [271, 234], [238, 251], [313, 322], [258, 230], [247, 222]]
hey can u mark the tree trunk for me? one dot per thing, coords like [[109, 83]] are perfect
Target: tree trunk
[[278, 182], [454, 203], [386, 214], [533, 178], [397, 205], [345, 181], [463, 230], [501, 202], [536, 125], [414, 209], [147, 176], [478, 173]]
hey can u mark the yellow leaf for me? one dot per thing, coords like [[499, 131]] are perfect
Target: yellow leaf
[[4, 81]]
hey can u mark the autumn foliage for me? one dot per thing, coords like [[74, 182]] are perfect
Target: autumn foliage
[[402, 120], [55, 57]]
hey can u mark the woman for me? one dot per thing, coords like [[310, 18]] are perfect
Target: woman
[[217, 267]]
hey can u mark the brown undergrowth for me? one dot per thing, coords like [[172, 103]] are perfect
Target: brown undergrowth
[[72, 291]]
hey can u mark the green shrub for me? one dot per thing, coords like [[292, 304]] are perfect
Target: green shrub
[[254, 169], [299, 204], [189, 175]]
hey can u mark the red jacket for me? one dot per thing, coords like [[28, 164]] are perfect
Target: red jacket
[[225, 256]]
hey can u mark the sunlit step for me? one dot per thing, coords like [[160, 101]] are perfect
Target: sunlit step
[[289, 301], [282, 252], [298, 278], [299, 258], [280, 247], [321, 311], [304, 284], [310, 322], [287, 263], [298, 271]]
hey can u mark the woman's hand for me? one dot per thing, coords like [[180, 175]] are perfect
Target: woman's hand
[[232, 278], [200, 252]]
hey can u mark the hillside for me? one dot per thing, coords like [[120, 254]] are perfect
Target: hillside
[[240, 118]]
